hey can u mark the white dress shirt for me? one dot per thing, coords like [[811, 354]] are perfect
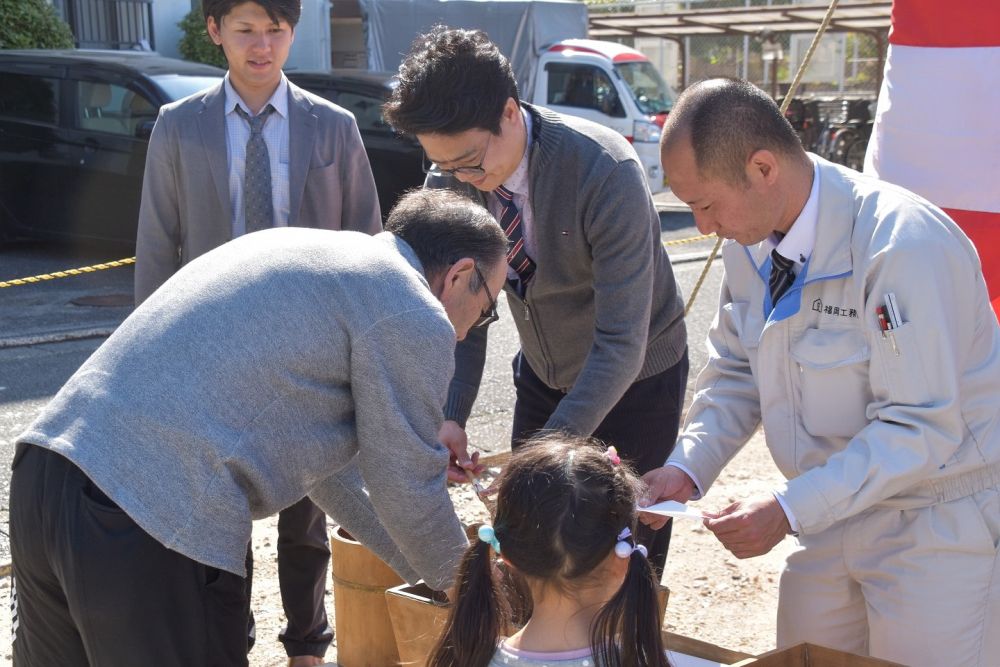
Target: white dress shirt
[[275, 134]]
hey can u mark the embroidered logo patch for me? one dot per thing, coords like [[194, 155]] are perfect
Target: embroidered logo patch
[[839, 311]]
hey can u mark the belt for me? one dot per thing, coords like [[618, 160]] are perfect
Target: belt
[[945, 489]]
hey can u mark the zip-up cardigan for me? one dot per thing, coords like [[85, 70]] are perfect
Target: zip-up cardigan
[[602, 309]]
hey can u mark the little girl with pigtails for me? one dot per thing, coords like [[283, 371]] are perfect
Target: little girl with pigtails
[[564, 515]]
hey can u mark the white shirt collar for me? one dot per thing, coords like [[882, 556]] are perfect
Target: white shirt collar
[[800, 240], [279, 99], [518, 181]]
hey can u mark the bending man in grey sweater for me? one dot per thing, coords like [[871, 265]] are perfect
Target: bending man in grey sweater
[[133, 493]]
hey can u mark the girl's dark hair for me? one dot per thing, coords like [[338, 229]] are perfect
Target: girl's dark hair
[[560, 508], [452, 80], [287, 10]]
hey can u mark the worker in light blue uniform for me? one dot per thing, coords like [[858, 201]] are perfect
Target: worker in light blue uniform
[[854, 325]]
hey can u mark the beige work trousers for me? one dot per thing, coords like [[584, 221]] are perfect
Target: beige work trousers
[[915, 586]]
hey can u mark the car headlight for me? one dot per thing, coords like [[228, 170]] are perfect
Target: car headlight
[[645, 132]]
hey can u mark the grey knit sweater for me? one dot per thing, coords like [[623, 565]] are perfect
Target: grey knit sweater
[[602, 309], [285, 363]]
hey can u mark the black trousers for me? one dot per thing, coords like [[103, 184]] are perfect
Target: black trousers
[[93, 588], [642, 426], [303, 562]]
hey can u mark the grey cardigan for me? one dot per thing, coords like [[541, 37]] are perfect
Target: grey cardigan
[[285, 363], [186, 209], [602, 309]]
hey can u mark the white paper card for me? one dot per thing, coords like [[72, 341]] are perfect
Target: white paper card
[[684, 660], [673, 508]]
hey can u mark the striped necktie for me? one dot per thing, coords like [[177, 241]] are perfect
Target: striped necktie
[[782, 275], [510, 220], [258, 205]]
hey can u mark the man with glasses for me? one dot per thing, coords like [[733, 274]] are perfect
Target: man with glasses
[[600, 321], [288, 363]]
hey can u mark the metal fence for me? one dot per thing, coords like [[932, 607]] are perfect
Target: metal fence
[[845, 64], [111, 24]]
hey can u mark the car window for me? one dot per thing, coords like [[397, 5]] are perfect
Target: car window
[[179, 86], [28, 97], [366, 109], [583, 87], [107, 107]]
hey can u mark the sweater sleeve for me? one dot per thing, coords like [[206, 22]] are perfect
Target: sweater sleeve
[[470, 354], [470, 360], [400, 370], [622, 227]]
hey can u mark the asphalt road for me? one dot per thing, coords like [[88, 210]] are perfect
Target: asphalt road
[[48, 329]]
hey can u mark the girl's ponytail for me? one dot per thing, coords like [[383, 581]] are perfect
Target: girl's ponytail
[[473, 629], [626, 633]]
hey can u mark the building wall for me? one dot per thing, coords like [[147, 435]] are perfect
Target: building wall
[[166, 15]]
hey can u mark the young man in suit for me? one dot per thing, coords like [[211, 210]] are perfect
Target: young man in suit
[[598, 313], [251, 153]]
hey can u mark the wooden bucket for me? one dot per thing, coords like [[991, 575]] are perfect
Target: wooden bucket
[[418, 616], [662, 595], [360, 579]]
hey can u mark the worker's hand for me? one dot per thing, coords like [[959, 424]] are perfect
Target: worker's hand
[[666, 483], [751, 527], [453, 436]]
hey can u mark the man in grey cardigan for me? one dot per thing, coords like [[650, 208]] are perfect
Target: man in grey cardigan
[[287, 363], [600, 320]]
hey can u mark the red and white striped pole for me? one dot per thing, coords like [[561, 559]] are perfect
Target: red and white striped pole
[[937, 128]]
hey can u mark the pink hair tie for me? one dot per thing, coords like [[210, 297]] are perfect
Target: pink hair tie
[[612, 455]]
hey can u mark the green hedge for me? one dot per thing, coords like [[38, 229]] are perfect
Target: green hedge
[[195, 44], [32, 24]]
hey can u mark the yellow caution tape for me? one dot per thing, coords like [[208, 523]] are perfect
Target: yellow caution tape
[[690, 240], [67, 273], [131, 260]]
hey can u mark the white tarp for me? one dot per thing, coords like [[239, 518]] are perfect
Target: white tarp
[[520, 28]]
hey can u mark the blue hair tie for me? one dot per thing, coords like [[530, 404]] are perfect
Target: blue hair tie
[[488, 535]]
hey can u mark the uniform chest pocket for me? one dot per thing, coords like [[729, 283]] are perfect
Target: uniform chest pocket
[[833, 386]]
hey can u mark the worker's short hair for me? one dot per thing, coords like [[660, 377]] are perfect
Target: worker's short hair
[[727, 121]]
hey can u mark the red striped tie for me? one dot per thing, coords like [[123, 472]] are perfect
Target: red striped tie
[[510, 220]]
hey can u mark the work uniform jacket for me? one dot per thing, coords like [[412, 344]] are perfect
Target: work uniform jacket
[[855, 418]]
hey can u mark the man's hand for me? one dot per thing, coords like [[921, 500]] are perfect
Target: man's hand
[[750, 528], [453, 436], [666, 483]]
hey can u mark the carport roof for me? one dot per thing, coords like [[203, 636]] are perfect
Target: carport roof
[[862, 16]]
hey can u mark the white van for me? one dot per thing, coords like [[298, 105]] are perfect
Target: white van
[[613, 85]]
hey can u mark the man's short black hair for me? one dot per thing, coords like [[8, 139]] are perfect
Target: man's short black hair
[[443, 227], [727, 121], [278, 10], [452, 80]]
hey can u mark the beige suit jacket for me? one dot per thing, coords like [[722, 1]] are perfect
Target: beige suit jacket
[[186, 209]]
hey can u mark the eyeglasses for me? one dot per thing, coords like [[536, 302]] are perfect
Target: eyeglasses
[[487, 316], [477, 170]]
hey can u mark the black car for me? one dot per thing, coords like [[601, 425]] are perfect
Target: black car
[[396, 161], [74, 126]]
